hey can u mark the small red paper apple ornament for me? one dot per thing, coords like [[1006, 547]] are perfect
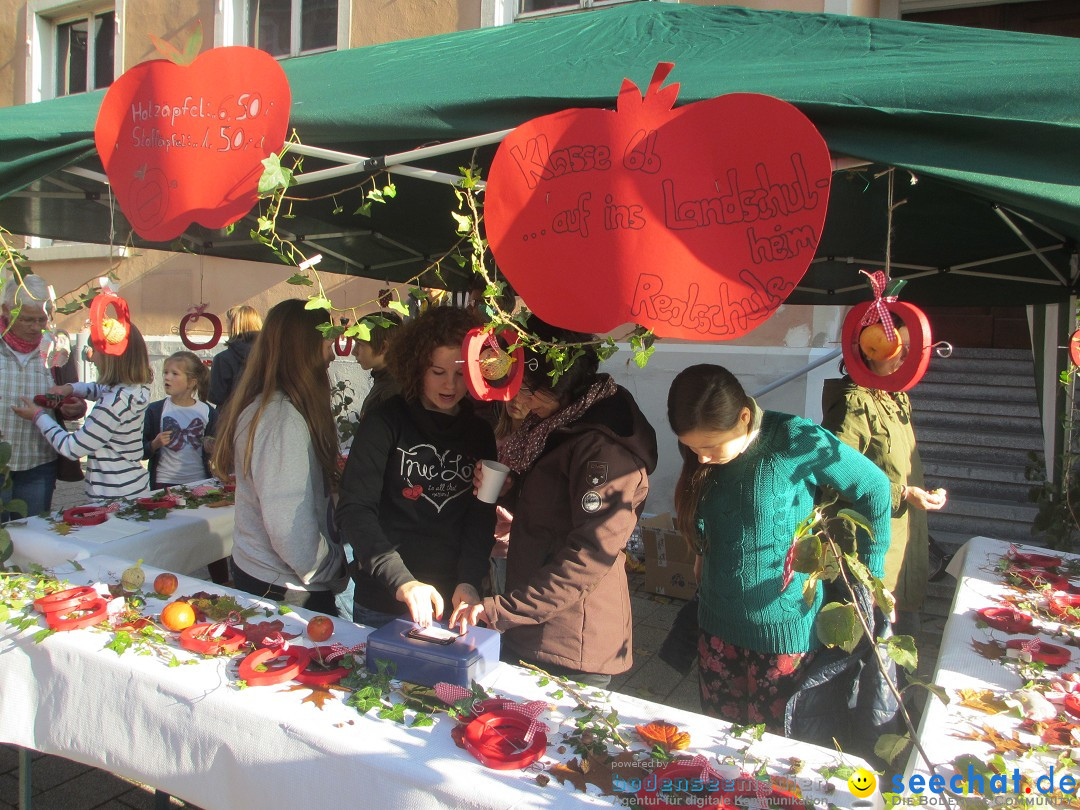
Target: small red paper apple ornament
[[195, 314], [185, 143], [696, 222]]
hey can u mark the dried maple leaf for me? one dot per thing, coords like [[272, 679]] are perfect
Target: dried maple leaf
[[569, 772], [664, 734], [590, 771], [319, 694], [983, 700], [991, 650], [1051, 732], [997, 741], [258, 632]]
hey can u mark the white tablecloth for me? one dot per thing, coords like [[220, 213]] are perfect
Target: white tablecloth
[[185, 541], [187, 730], [960, 666]]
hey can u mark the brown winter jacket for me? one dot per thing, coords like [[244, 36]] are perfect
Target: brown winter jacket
[[567, 601]]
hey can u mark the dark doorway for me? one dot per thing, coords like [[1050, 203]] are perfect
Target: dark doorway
[[980, 327]]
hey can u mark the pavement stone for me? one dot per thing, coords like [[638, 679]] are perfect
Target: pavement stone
[[86, 791]]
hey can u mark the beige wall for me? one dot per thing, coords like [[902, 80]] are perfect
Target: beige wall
[[377, 21], [166, 20]]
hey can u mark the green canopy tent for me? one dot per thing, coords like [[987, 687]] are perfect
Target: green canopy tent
[[985, 123]]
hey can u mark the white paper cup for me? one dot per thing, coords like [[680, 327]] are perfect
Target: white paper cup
[[492, 482]]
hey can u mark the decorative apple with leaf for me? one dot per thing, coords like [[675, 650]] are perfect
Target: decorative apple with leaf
[[695, 221], [184, 143]]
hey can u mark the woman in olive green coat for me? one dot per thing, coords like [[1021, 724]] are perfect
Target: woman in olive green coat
[[878, 424]]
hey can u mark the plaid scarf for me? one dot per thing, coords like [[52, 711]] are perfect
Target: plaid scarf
[[525, 445]]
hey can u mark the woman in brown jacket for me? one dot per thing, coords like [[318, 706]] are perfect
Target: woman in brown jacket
[[580, 464]]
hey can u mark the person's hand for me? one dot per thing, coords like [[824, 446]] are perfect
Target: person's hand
[[26, 409], [208, 445], [927, 501], [161, 440], [478, 479], [73, 408], [469, 608], [66, 390], [422, 600]]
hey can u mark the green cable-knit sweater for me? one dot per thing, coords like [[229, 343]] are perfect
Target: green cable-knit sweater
[[748, 515]]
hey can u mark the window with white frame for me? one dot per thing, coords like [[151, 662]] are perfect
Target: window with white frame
[[72, 47], [539, 8], [285, 28]]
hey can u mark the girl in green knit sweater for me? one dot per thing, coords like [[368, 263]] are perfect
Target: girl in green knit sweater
[[749, 477]]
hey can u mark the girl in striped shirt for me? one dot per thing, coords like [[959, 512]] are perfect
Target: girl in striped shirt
[[111, 435]]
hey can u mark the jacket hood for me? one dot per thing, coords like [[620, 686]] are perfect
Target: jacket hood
[[620, 418], [241, 344], [834, 391]]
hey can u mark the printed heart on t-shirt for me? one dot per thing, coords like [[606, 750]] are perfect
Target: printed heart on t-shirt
[[412, 493]]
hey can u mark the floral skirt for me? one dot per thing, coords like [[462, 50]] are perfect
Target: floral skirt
[[747, 687]]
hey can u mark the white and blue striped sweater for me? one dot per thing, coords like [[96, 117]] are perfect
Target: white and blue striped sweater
[[110, 438]]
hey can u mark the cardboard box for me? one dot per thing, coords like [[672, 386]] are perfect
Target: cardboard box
[[669, 560]]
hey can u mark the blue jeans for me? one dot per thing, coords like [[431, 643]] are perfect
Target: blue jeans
[[373, 618], [35, 486]]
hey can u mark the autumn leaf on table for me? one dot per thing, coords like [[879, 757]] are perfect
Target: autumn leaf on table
[[998, 741], [1051, 732], [991, 650], [258, 632], [983, 700], [591, 771], [664, 734], [318, 694]]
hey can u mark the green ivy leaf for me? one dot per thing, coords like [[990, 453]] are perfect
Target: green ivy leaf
[[395, 712], [359, 331], [363, 211], [389, 190], [120, 643], [283, 609], [901, 649], [16, 505], [398, 307], [41, 635], [318, 302], [464, 224], [890, 746], [7, 547], [933, 688], [274, 176], [421, 720], [300, 279], [836, 626]]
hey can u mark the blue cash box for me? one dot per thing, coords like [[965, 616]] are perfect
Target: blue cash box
[[465, 659]]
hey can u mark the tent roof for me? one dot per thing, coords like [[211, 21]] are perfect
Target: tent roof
[[987, 122]]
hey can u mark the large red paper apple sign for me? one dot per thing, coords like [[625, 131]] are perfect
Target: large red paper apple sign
[[696, 222], [184, 144]]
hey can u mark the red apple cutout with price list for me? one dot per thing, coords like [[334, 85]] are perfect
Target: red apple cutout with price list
[[696, 221], [185, 143]]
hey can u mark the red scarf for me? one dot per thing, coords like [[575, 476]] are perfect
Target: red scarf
[[525, 445], [18, 344]]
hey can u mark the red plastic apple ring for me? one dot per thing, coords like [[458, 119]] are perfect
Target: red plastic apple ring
[[476, 341], [161, 502], [296, 658], [65, 600], [93, 612], [1072, 704], [320, 677], [1037, 577], [111, 342], [1074, 348], [85, 515], [497, 740], [193, 638], [911, 370], [1006, 619], [1061, 604], [1046, 561], [1050, 654], [215, 321], [343, 351]]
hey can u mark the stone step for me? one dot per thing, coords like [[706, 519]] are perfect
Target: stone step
[[950, 392], [931, 404], [964, 421], [933, 451], [951, 521], [974, 471], [960, 487], [950, 542], [962, 376], [973, 436], [1020, 367], [987, 508], [964, 353]]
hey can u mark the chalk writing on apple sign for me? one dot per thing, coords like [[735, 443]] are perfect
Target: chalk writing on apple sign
[[153, 121]]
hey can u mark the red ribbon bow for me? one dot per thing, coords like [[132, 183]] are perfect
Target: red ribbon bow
[[878, 312], [339, 650], [200, 309], [217, 629]]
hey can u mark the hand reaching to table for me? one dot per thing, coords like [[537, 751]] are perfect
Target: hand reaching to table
[[469, 610], [422, 600]]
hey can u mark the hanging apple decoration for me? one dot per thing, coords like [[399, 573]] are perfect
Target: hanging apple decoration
[[195, 314], [696, 222], [109, 335], [185, 143]]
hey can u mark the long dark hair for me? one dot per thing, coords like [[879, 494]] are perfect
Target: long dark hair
[[287, 357], [575, 379], [701, 397]]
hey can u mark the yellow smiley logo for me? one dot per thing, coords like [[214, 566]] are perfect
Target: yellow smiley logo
[[862, 783]]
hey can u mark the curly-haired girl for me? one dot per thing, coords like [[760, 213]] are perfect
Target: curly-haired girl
[[420, 538]]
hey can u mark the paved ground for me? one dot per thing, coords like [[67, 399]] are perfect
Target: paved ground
[[60, 784]]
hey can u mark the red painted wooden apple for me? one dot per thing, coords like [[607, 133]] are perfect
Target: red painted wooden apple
[[697, 222], [184, 144]]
